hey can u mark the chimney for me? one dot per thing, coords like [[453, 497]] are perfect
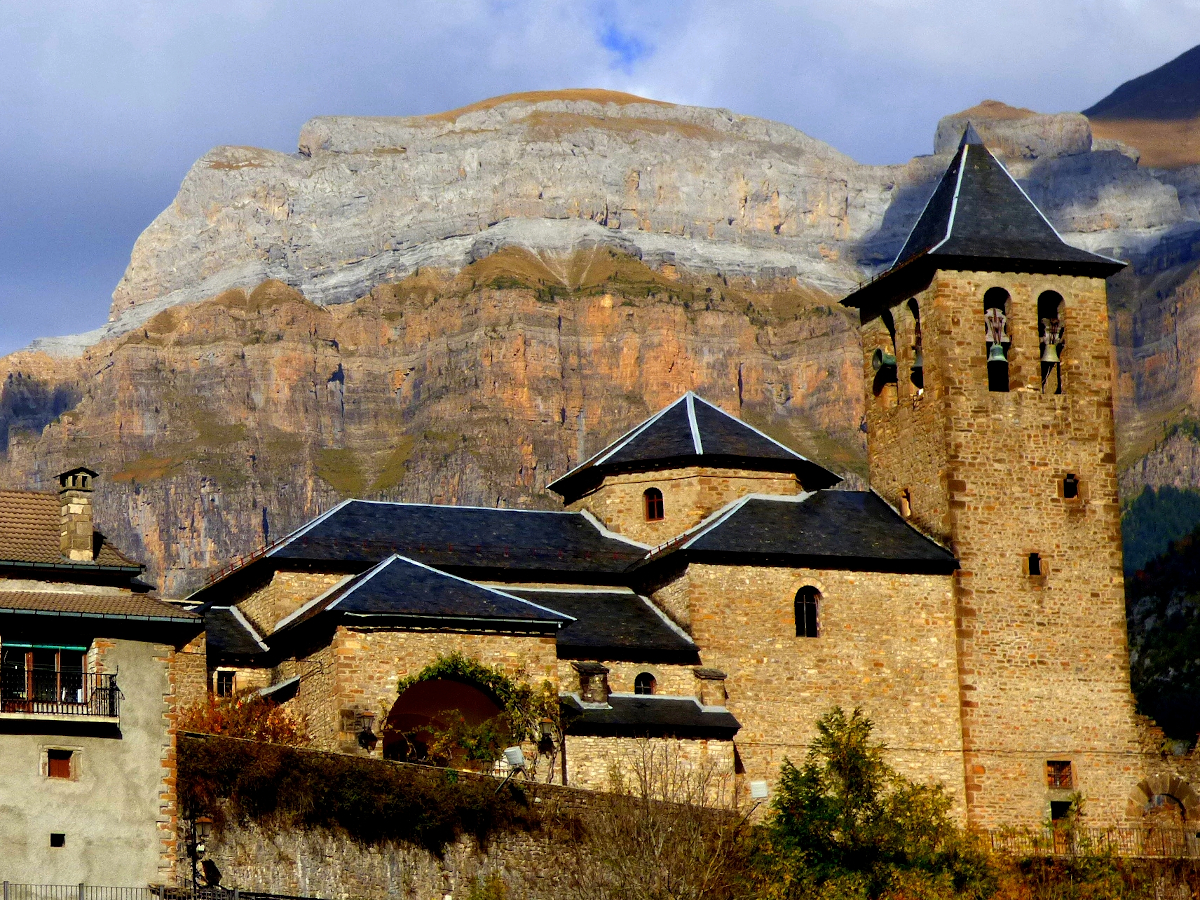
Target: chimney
[[593, 682], [77, 528], [710, 686]]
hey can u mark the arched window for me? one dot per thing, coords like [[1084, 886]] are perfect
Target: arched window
[[644, 683], [905, 503], [995, 328], [883, 361], [654, 504], [917, 372], [808, 601], [1051, 338]]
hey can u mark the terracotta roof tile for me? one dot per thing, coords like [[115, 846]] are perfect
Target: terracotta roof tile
[[109, 606], [30, 523]]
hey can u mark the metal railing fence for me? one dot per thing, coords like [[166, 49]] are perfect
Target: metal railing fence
[[1156, 843], [48, 692], [17, 891]]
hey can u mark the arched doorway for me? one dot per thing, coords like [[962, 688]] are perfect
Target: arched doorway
[[1165, 802], [429, 707]]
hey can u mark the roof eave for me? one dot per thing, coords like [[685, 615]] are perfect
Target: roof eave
[[899, 283], [687, 555]]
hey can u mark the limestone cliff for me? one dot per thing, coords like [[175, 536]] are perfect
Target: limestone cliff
[[458, 307]]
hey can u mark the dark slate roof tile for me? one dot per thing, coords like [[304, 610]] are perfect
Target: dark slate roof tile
[[614, 625], [691, 431], [632, 715], [404, 589], [461, 538], [228, 633], [829, 529], [978, 216]]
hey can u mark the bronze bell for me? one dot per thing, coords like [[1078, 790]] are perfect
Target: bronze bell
[[881, 359], [1050, 353], [996, 353], [918, 360]]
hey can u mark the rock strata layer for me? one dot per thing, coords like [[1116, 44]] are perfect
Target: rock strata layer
[[456, 308]]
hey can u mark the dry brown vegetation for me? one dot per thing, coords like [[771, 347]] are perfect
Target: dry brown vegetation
[[1162, 143], [594, 95]]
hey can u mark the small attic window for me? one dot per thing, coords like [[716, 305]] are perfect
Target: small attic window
[[653, 500], [644, 683], [905, 503]]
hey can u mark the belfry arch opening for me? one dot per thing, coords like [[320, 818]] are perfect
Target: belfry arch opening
[[883, 363], [1051, 340], [428, 708], [916, 372], [996, 338]]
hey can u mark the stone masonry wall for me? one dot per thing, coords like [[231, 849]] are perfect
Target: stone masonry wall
[[886, 644], [360, 671], [1043, 661], [677, 681], [689, 495], [606, 763], [191, 673], [286, 592]]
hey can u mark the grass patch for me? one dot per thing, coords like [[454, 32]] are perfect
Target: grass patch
[[147, 467], [395, 465], [340, 469]]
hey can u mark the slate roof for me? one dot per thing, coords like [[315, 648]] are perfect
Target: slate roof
[[30, 534], [854, 530], [461, 538], [614, 625], [634, 715], [133, 607], [228, 633], [691, 431], [978, 217], [404, 591]]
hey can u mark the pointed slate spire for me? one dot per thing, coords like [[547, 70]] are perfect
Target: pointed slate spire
[[970, 136], [979, 218], [691, 431]]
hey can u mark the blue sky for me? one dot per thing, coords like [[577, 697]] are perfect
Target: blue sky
[[105, 105]]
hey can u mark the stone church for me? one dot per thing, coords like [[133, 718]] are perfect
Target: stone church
[[708, 586]]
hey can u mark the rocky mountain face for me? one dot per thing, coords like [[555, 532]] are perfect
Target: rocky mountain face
[[458, 308]]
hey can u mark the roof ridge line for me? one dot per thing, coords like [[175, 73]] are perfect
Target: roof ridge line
[[962, 167], [504, 509], [482, 587], [917, 221], [624, 439], [714, 519], [900, 515], [304, 529], [245, 623], [667, 620], [761, 434], [604, 530], [1038, 209], [697, 445]]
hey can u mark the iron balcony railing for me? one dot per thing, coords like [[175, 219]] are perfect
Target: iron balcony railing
[[48, 692]]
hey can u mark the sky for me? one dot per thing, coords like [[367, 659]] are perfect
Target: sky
[[106, 105]]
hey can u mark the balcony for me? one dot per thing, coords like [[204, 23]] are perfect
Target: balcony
[[51, 695]]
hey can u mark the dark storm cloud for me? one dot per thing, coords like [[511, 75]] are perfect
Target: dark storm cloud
[[106, 105]]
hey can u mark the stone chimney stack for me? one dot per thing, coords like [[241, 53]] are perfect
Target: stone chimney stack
[[78, 527], [593, 682], [710, 686]]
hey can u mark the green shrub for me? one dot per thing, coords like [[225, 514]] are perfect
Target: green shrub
[[371, 800], [845, 824]]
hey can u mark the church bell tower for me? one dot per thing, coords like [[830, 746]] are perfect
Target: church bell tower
[[989, 403]]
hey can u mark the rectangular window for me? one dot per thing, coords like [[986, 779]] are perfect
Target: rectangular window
[[1035, 564], [1059, 776], [1059, 810], [225, 683], [58, 839], [41, 672], [58, 763]]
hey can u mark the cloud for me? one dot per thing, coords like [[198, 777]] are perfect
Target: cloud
[[106, 104]]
